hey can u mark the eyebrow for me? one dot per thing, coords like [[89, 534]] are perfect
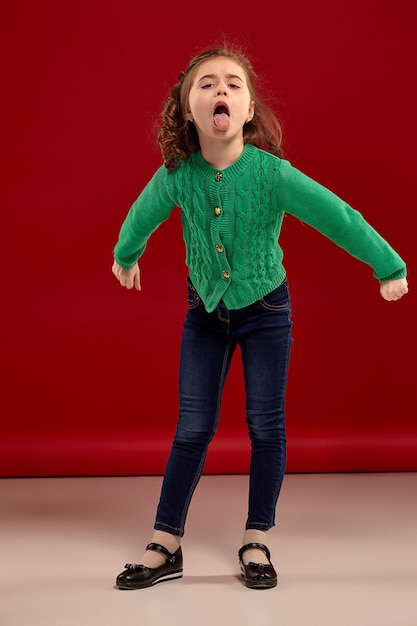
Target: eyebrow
[[228, 76]]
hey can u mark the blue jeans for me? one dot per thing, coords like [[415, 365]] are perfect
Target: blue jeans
[[263, 332]]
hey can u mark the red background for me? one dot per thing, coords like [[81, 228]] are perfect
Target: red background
[[89, 370]]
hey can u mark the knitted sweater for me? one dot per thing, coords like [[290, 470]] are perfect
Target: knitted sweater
[[232, 221]]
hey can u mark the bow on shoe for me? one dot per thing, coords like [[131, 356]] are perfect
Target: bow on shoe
[[261, 573], [258, 575]]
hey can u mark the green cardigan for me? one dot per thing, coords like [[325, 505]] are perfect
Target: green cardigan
[[232, 220]]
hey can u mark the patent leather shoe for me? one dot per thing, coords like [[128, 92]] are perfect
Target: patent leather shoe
[[258, 575], [140, 576]]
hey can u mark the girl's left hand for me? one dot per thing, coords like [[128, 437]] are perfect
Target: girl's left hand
[[394, 289]]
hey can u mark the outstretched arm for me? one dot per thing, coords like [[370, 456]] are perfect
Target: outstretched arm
[[394, 289], [127, 278]]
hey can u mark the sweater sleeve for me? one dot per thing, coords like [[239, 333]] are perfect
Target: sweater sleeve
[[302, 197], [152, 207]]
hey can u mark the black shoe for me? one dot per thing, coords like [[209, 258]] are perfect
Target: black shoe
[[139, 576], [258, 575]]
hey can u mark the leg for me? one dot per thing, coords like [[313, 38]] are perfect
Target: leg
[[206, 353], [265, 355], [265, 342]]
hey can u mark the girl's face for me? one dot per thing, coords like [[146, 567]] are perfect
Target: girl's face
[[219, 101]]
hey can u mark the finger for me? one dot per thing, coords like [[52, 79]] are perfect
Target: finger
[[384, 292], [392, 296], [387, 295], [137, 281]]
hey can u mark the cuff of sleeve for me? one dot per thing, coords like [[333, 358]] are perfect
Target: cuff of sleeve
[[129, 261], [125, 266], [402, 273]]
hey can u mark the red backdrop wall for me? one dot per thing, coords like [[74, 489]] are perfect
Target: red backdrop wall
[[89, 370]]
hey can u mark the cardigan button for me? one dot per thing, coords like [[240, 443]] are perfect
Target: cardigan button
[[219, 248], [218, 177], [226, 274], [217, 210]]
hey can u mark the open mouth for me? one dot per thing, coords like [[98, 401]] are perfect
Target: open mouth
[[221, 116]]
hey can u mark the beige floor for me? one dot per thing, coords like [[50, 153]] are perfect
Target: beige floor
[[345, 546]]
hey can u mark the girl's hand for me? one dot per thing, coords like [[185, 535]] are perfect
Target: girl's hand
[[394, 289], [127, 278]]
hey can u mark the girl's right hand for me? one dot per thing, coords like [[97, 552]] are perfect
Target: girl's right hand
[[127, 278]]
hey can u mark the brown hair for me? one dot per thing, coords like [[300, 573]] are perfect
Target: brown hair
[[178, 137]]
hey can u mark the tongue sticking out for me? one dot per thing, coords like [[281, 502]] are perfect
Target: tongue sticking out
[[221, 118]]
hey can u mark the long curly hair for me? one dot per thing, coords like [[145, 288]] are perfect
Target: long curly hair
[[178, 137]]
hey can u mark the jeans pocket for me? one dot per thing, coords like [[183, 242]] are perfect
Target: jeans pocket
[[277, 300], [193, 297]]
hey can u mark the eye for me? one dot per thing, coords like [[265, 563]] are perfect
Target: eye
[[207, 85], [234, 86]]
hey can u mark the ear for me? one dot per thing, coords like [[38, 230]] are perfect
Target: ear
[[251, 112]]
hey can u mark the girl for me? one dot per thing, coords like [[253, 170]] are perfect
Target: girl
[[223, 167]]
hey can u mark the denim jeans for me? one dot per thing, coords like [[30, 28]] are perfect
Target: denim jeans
[[263, 333]]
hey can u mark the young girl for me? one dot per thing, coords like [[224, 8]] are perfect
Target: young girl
[[223, 167]]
